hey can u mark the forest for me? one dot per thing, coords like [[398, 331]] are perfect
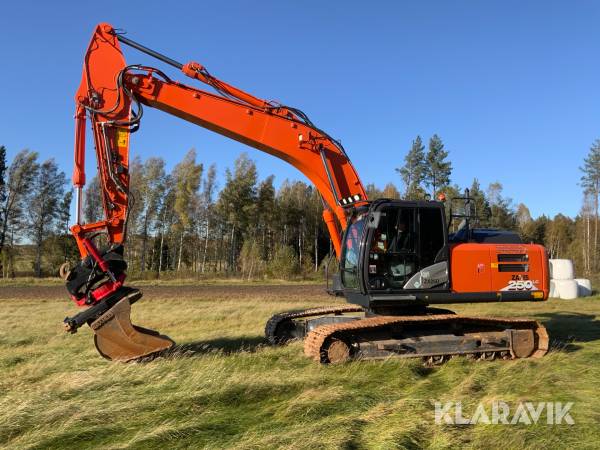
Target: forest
[[182, 224]]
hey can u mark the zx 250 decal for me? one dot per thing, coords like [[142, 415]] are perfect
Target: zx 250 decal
[[520, 285]]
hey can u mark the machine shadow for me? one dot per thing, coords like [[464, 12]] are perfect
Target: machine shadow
[[567, 329], [224, 346]]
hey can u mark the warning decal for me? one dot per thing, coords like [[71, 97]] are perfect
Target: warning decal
[[122, 137]]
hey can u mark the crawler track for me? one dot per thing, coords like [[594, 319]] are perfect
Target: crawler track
[[275, 323], [385, 336]]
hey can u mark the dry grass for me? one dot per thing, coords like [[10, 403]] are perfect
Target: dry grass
[[226, 389]]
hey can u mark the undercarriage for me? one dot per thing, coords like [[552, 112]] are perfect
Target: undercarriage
[[339, 334]]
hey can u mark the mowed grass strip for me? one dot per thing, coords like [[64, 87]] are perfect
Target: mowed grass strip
[[225, 388]]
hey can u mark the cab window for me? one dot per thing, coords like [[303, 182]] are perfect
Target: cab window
[[431, 235], [392, 256], [351, 253]]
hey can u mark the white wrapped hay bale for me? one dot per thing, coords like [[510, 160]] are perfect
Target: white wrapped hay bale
[[553, 290], [584, 287], [561, 269], [567, 289]]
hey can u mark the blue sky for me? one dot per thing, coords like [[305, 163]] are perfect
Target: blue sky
[[511, 87]]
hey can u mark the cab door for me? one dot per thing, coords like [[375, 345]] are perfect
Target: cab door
[[406, 237], [391, 247], [351, 253]]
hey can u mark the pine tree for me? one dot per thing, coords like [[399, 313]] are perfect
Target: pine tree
[[590, 181], [559, 236], [267, 212], [437, 168], [480, 207], [538, 230], [413, 171], [293, 202], [237, 204]]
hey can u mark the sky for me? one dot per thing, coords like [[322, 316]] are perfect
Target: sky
[[511, 87]]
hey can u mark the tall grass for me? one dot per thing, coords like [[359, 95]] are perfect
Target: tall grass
[[224, 388]]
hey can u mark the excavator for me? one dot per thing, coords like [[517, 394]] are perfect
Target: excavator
[[396, 257]]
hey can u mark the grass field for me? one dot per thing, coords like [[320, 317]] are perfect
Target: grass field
[[226, 389]]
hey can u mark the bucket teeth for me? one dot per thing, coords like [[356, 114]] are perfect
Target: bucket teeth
[[117, 339]]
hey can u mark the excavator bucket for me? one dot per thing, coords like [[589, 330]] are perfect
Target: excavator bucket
[[117, 339]]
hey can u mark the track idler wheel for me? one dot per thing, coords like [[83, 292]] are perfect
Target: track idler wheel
[[117, 339], [336, 352]]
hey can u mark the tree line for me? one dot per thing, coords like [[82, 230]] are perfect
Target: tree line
[[181, 223]]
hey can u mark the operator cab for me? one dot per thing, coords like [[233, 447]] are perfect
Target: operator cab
[[395, 247]]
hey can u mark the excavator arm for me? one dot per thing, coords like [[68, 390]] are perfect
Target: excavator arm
[[112, 96]]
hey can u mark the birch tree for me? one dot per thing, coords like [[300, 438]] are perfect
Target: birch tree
[[209, 187], [21, 173], [187, 177], [152, 188]]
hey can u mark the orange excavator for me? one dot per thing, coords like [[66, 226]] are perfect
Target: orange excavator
[[396, 257]]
